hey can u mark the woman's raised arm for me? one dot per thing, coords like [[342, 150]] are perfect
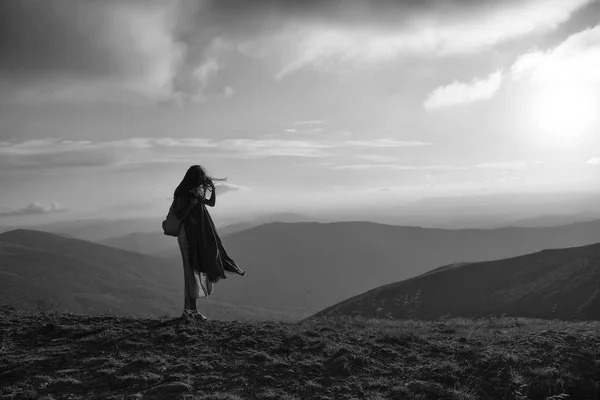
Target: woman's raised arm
[[213, 196]]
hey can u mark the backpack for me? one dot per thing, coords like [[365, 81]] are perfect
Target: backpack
[[171, 224]]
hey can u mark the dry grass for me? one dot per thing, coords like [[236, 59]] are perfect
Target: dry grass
[[64, 356]]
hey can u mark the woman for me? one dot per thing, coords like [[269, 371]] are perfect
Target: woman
[[205, 260]]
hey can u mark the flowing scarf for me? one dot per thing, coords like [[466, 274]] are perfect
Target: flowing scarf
[[207, 253]]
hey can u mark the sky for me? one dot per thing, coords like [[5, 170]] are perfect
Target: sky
[[304, 106]]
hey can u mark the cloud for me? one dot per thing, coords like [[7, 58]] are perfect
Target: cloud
[[376, 158], [130, 50], [304, 131], [54, 154], [510, 165], [135, 205], [575, 60], [309, 122], [249, 148], [225, 187], [594, 161], [182, 142], [228, 91], [53, 48], [175, 50], [385, 142], [400, 167], [51, 153], [192, 84], [462, 93], [337, 35], [32, 208]]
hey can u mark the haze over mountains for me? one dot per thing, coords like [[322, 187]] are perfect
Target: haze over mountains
[[479, 212], [93, 229], [301, 268], [294, 269], [48, 270], [105, 229], [558, 283], [156, 243], [488, 211]]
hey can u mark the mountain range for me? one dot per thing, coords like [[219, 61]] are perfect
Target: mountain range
[[294, 269], [305, 267], [551, 284]]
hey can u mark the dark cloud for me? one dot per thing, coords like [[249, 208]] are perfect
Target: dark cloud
[[330, 35], [61, 37], [229, 13], [31, 209], [176, 48], [252, 16], [89, 42]]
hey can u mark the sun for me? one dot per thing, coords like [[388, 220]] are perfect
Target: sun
[[564, 113]]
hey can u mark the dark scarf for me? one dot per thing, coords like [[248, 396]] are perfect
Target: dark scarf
[[207, 253]]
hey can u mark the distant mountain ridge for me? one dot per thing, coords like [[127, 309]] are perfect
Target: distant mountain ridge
[[99, 229], [557, 283], [83, 277], [158, 244], [151, 243]]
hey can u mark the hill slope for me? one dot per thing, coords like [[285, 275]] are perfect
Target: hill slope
[[39, 269], [310, 266], [559, 283], [151, 243], [65, 356], [99, 229]]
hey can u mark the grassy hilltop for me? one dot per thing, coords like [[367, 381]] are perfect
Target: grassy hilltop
[[66, 356]]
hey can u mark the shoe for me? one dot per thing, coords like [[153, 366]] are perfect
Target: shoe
[[193, 314], [198, 315]]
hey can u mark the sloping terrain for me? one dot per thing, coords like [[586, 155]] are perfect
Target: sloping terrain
[[558, 283], [151, 243], [42, 270], [73, 357], [96, 230], [305, 267]]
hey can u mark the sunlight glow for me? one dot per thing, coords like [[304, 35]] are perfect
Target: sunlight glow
[[564, 113]]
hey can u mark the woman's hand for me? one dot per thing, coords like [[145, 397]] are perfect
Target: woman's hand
[[211, 202]]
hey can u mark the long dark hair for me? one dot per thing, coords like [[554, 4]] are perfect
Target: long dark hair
[[195, 176]]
